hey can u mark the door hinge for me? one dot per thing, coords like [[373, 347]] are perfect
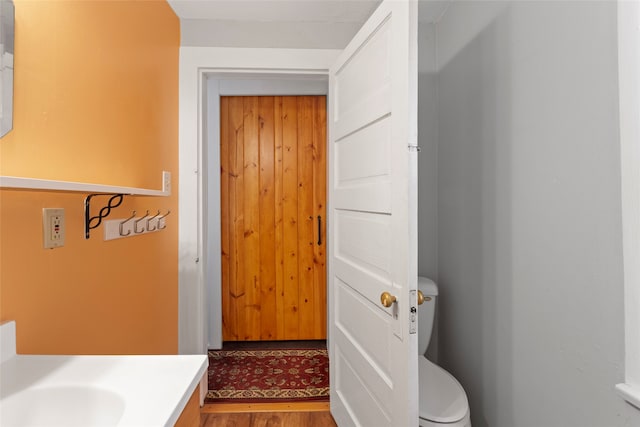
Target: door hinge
[[415, 148]]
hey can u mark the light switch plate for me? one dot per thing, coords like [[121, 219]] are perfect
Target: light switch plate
[[53, 227]]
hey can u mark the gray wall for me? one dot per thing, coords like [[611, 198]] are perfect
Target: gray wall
[[428, 165], [529, 259], [428, 158]]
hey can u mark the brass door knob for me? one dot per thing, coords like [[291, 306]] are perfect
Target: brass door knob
[[387, 299], [422, 298]]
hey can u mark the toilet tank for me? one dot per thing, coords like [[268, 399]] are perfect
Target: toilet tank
[[426, 312]]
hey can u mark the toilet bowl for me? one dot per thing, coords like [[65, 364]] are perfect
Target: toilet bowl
[[442, 398], [443, 401]]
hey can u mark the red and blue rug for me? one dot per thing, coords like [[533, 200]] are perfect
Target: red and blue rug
[[252, 376]]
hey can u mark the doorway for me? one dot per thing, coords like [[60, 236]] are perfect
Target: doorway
[[214, 87], [272, 183], [272, 216]]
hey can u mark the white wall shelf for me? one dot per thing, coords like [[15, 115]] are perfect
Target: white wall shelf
[[12, 182], [116, 193]]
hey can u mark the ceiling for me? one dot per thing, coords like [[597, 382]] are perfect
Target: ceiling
[[308, 24]]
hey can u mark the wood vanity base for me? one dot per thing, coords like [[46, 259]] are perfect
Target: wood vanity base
[[190, 416]]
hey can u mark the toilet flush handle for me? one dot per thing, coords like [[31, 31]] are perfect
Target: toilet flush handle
[[422, 298]]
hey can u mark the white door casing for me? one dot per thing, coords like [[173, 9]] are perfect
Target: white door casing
[[198, 258], [373, 222], [195, 262]]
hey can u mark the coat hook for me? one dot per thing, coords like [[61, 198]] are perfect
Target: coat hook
[[149, 219], [124, 222], [160, 218], [135, 225]]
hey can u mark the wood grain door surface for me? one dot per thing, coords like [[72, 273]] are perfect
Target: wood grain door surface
[[273, 197]]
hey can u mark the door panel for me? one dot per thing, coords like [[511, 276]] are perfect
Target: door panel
[[363, 253], [365, 185], [351, 369], [289, 184], [373, 222], [305, 216], [373, 140], [267, 261], [251, 261], [226, 229], [320, 215], [273, 190], [363, 100], [352, 308], [279, 216]]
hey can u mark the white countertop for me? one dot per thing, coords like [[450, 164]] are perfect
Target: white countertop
[[86, 391]]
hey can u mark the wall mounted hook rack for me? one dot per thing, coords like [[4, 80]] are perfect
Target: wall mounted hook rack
[[162, 217], [155, 227], [134, 225], [136, 221], [122, 223]]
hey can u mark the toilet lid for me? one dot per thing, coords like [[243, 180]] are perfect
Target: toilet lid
[[442, 398]]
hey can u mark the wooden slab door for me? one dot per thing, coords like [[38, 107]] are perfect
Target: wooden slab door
[[273, 210]]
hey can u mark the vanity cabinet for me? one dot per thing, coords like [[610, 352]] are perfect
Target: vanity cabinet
[[190, 416]]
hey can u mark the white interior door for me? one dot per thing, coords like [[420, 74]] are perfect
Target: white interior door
[[373, 222]]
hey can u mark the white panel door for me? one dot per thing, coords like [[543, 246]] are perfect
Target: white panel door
[[373, 222]]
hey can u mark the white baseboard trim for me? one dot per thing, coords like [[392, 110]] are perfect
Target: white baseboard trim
[[629, 393]]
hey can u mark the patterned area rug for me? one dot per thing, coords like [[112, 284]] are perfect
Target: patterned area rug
[[251, 376]]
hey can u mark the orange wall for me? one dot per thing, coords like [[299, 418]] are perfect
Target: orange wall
[[96, 100]]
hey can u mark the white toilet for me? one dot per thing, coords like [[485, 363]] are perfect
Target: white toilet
[[443, 401]]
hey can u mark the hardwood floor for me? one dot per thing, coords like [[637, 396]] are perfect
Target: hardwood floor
[[268, 419]]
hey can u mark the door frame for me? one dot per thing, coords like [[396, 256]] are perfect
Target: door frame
[[195, 241], [216, 86]]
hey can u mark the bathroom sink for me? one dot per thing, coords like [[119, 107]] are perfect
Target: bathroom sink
[[94, 390], [62, 406]]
